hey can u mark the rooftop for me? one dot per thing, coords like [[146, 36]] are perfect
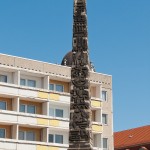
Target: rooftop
[[132, 137], [49, 68]]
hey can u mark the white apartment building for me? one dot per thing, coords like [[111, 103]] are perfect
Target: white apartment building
[[35, 105]]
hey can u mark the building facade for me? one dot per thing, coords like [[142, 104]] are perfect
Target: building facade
[[35, 101], [133, 139]]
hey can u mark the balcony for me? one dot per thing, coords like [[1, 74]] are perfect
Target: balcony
[[97, 128], [96, 103], [9, 144], [97, 148], [32, 119], [26, 92]]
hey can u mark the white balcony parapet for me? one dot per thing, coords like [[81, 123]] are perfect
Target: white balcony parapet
[[97, 148], [9, 144]]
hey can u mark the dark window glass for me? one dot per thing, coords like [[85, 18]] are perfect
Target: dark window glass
[[22, 108], [21, 135], [105, 143], [51, 87], [59, 139], [104, 118], [51, 112], [31, 83], [22, 82], [2, 133], [59, 113], [59, 88], [31, 109], [30, 136], [2, 105], [104, 95], [3, 78], [51, 138]]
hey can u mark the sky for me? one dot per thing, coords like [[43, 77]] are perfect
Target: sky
[[119, 44]]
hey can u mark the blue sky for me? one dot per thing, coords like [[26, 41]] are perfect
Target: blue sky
[[119, 43]]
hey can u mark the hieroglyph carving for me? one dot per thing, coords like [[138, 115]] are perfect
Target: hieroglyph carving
[[80, 135]]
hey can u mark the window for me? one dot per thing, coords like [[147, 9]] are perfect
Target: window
[[59, 113], [51, 87], [59, 88], [30, 136], [22, 82], [22, 108], [31, 109], [104, 95], [2, 105], [59, 139], [21, 135], [93, 115], [105, 143], [2, 133], [3, 78], [27, 135], [52, 112], [28, 108], [56, 87], [29, 83], [105, 119], [51, 138], [55, 138], [56, 112]]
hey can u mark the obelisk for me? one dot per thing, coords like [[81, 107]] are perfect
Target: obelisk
[[80, 134]]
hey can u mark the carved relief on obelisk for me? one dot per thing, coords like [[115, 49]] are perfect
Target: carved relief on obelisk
[[80, 134]]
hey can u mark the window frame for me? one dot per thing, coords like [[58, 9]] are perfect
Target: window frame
[[34, 107], [25, 135], [26, 108], [93, 116], [55, 85], [5, 103], [54, 138], [106, 119], [26, 82], [4, 132], [54, 112], [106, 143], [60, 110], [34, 135], [3, 75], [59, 85], [20, 107], [106, 99], [62, 138]]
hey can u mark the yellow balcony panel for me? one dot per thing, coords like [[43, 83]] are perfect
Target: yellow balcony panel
[[54, 123], [42, 121], [97, 128], [53, 148], [54, 97], [95, 103], [39, 147], [43, 95]]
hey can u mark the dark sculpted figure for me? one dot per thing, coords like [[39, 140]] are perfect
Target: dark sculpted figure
[[80, 134]]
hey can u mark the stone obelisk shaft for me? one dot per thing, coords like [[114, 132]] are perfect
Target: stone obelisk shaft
[[80, 135]]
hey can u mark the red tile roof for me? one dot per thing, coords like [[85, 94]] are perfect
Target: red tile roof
[[132, 137]]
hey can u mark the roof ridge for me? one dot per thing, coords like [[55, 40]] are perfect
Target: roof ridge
[[132, 129]]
